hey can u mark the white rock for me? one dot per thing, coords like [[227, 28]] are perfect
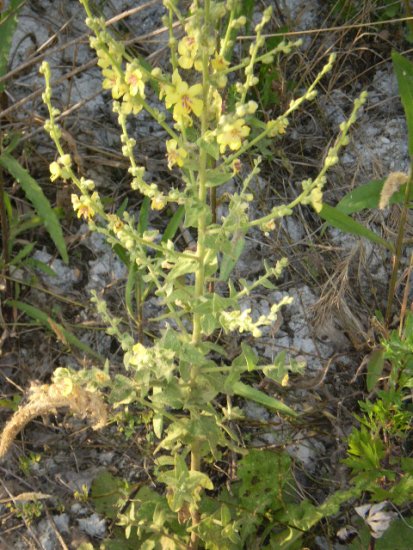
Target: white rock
[[93, 526]]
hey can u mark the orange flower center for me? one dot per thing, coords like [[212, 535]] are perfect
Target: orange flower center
[[186, 103], [132, 79]]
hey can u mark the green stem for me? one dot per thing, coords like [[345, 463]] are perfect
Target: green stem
[[199, 290], [398, 247]]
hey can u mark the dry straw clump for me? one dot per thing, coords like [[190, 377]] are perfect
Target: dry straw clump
[[48, 399], [392, 184]]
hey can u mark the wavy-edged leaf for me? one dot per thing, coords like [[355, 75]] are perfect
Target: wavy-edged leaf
[[341, 221], [39, 201]]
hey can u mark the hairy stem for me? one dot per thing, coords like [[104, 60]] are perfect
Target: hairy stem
[[201, 253]]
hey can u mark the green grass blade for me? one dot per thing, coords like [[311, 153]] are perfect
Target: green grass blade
[[248, 392], [404, 73], [39, 201], [61, 332], [346, 224]]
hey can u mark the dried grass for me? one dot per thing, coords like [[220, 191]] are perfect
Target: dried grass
[[48, 399]]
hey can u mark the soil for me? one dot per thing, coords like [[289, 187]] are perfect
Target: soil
[[337, 281]]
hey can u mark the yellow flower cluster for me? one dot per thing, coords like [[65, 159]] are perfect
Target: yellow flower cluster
[[128, 83]]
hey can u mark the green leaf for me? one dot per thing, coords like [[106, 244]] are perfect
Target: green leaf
[[8, 23], [374, 368], [211, 148], [61, 332], [36, 196], [248, 392], [144, 215], [250, 356], [367, 196], [364, 196], [132, 280], [122, 207], [397, 537], [262, 476], [218, 177], [122, 254], [346, 224], [25, 251], [230, 260], [40, 266], [173, 224], [109, 494], [404, 73]]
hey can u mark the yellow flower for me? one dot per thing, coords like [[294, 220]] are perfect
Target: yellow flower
[[236, 166], [214, 104], [130, 105], [231, 134], [219, 63], [316, 197], [113, 82], [184, 98], [268, 226], [175, 154], [158, 202], [82, 207], [54, 171], [187, 49], [104, 60], [61, 168], [134, 79]]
